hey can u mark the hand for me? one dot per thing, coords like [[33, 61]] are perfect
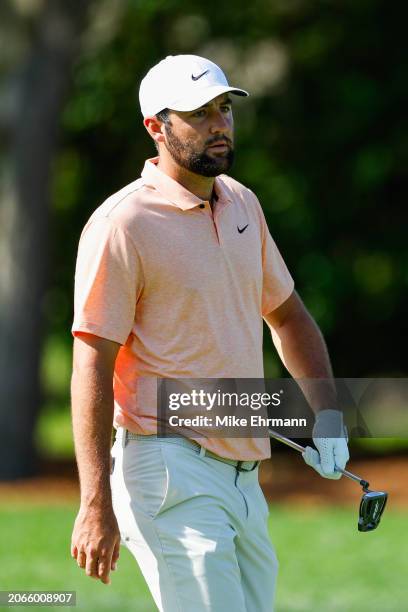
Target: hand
[[95, 542], [330, 451]]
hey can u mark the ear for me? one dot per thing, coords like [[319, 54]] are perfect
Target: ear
[[155, 128]]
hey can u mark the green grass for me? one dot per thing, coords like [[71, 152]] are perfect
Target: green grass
[[326, 565]]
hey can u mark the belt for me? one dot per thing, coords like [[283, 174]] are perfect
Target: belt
[[241, 466]]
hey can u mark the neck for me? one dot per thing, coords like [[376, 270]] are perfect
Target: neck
[[200, 186]]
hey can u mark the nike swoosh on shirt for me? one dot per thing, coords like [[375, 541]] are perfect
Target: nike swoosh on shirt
[[195, 78], [242, 229]]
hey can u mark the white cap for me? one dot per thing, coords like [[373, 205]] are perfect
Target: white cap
[[183, 83]]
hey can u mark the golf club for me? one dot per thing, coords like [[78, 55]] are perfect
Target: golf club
[[372, 503]]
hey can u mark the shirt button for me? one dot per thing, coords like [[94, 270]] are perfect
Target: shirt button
[[202, 206]]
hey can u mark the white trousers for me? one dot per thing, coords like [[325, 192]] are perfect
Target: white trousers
[[196, 526]]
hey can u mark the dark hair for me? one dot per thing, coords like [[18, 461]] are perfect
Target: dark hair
[[163, 116]]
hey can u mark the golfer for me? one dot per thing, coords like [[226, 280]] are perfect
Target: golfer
[[174, 276]]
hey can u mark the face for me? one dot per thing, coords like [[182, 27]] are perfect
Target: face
[[202, 140]]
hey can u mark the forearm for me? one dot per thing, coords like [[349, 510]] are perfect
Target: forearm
[[303, 351], [92, 416]]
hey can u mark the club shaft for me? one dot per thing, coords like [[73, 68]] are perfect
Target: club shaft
[[301, 449]]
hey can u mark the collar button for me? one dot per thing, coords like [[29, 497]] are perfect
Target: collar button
[[202, 206]]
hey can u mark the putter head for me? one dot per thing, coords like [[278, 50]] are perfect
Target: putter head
[[371, 508]]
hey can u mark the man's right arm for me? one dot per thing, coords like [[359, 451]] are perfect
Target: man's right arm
[[95, 538]]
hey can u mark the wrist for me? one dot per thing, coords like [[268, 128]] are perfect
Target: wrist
[[97, 500], [328, 424], [328, 412]]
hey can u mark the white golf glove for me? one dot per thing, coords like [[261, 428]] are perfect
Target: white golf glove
[[330, 452]]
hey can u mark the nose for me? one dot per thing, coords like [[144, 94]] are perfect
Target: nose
[[221, 123]]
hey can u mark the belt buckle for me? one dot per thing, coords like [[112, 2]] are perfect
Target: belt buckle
[[241, 469]]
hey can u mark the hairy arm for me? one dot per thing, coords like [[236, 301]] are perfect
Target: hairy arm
[[95, 538], [303, 351]]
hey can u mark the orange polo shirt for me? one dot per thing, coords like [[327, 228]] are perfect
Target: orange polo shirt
[[182, 288]]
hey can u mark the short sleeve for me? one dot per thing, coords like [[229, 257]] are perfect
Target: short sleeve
[[277, 284], [108, 281]]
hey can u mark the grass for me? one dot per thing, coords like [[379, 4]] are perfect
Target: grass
[[326, 565]]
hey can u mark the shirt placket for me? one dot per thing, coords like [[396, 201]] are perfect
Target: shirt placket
[[214, 217]]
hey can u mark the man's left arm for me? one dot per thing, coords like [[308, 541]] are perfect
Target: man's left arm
[[302, 349]]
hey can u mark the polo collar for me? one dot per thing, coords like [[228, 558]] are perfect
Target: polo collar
[[173, 191]]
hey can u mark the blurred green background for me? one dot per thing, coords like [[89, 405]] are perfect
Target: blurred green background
[[322, 140]]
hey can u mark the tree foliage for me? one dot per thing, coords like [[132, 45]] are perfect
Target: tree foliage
[[322, 141]]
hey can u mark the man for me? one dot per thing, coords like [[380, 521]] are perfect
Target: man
[[174, 275]]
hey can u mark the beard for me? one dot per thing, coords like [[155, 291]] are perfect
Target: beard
[[186, 156]]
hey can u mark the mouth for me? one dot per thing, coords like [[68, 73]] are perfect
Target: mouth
[[220, 146]]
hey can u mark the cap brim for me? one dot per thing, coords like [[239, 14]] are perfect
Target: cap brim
[[203, 96]]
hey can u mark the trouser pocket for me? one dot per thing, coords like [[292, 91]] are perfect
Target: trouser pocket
[[145, 476]]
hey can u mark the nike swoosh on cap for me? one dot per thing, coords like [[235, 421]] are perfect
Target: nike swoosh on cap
[[242, 229], [195, 78]]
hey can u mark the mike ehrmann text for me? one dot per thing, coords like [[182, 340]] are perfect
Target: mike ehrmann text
[[232, 421]]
